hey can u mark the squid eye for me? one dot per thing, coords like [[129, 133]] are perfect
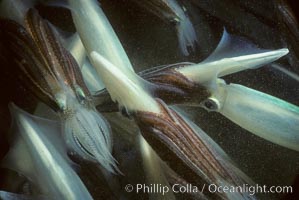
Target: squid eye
[[211, 104], [80, 94]]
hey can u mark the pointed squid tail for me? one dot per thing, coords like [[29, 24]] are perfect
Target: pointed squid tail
[[186, 35], [88, 135]]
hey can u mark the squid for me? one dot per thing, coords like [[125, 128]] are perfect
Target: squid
[[38, 153], [201, 85], [168, 133], [264, 115], [96, 34], [54, 77], [171, 11]]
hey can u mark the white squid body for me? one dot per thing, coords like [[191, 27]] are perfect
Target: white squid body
[[207, 72], [96, 32], [128, 92], [266, 116], [91, 78], [93, 133], [74, 45], [38, 153], [133, 97]]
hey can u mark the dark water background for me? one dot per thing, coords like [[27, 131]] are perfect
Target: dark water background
[[151, 42]]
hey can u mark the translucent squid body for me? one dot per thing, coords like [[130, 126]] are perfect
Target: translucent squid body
[[97, 34], [170, 135], [264, 115], [200, 85], [38, 153], [133, 95], [53, 75]]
